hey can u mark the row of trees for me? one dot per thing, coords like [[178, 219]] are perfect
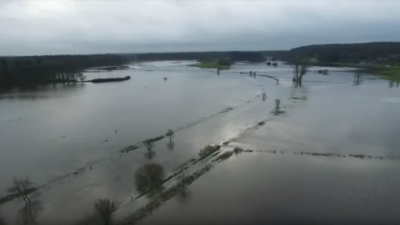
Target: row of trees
[[386, 52], [253, 56], [35, 70]]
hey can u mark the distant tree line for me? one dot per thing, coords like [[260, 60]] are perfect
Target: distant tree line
[[384, 52], [252, 56], [35, 70]]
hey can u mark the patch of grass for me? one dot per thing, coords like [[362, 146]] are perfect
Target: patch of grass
[[210, 65], [391, 73]]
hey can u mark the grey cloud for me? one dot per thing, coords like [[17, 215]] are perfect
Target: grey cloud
[[99, 26]]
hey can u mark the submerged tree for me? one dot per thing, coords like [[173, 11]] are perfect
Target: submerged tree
[[149, 176], [81, 77], [357, 79], [2, 222], [182, 182], [104, 209], [170, 135], [29, 214], [149, 145], [299, 70], [22, 188], [150, 154], [277, 103]]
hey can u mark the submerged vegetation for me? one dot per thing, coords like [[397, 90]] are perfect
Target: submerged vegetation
[[224, 156], [154, 203], [208, 150], [149, 176], [129, 148]]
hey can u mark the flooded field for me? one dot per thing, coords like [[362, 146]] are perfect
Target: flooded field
[[329, 156]]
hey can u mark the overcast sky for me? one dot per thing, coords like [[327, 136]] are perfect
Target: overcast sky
[[110, 26]]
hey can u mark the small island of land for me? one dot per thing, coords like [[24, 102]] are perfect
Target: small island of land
[[211, 65]]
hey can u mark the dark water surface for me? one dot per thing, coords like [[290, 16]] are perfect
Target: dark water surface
[[53, 131]]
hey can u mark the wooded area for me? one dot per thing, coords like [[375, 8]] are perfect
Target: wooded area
[[380, 52], [34, 70]]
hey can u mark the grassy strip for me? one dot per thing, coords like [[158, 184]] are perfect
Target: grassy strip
[[210, 65], [207, 151], [163, 197], [11, 197], [154, 139], [391, 73]]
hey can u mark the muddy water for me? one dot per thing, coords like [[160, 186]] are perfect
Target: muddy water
[[61, 129], [52, 130], [328, 114]]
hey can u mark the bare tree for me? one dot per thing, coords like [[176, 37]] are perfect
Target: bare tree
[[277, 103], [22, 188], [149, 176], [2, 222], [170, 134], [299, 70], [182, 182], [105, 208], [150, 154], [149, 145]]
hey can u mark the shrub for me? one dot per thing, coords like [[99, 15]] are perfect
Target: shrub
[[208, 150], [224, 156], [237, 150]]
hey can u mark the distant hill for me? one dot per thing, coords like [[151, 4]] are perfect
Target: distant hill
[[358, 52]]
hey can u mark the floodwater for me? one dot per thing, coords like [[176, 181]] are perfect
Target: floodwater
[[53, 131]]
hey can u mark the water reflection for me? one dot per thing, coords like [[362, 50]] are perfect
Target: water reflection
[[171, 145], [41, 92], [391, 84], [150, 154], [29, 214], [358, 78], [299, 92]]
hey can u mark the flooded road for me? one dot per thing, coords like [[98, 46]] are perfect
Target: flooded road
[[48, 133]]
